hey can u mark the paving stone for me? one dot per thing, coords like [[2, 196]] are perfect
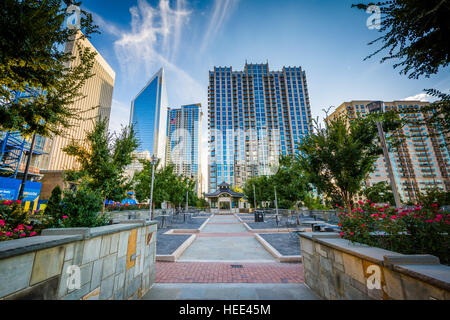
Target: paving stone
[[15, 273], [86, 273], [109, 265], [114, 243], [78, 294], [93, 295], [69, 252], [47, 264], [91, 250], [121, 263], [123, 243], [46, 290], [353, 267], [106, 288], [106, 246], [119, 281], [97, 274]]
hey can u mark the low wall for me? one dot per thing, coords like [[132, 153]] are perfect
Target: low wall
[[335, 268], [115, 262]]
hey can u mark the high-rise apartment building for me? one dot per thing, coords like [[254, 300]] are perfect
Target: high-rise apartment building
[[183, 147], [254, 116], [422, 158], [148, 116], [98, 91]]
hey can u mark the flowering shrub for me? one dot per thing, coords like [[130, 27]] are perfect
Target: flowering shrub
[[421, 230], [14, 223]]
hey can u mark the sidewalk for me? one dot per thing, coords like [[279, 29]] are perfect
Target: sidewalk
[[227, 262]]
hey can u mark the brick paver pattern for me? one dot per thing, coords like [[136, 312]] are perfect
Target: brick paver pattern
[[212, 272], [224, 272]]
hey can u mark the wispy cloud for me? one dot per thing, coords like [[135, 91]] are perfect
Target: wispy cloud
[[120, 113], [420, 97], [221, 13]]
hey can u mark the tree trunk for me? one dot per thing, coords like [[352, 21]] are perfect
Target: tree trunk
[[103, 206]]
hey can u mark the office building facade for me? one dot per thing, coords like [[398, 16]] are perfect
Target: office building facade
[[183, 148], [254, 116], [420, 161], [149, 117], [98, 91]]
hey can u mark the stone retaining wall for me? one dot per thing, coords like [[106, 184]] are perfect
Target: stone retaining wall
[[115, 262], [335, 268]]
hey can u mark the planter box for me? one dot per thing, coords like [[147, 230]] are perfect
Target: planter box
[[335, 268], [115, 262]]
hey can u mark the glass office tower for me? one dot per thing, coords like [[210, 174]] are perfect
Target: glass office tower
[[254, 116], [148, 115], [183, 134]]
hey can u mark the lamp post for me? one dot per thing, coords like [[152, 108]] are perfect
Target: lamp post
[[254, 197], [153, 160], [276, 201]]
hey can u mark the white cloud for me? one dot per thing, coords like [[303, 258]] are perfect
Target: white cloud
[[221, 13], [120, 114], [420, 97]]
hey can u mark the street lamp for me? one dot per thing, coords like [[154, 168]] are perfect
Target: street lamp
[[153, 161], [254, 197]]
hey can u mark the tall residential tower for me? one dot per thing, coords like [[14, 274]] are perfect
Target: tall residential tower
[[254, 116], [183, 147]]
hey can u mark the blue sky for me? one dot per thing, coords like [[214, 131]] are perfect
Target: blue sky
[[327, 38]]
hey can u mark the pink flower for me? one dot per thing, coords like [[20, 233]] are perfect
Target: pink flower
[[360, 202], [22, 235], [33, 234], [439, 216], [383, 216], [363, 225], [374, 215], [429, 220], [417, 208], [20, 227], [16, 230], [29, 228], [65, 217], [9, 234], [18, 201], [352, 233], [341, 233], [2, 223], [381, 209], [386, 206], [435, 205]]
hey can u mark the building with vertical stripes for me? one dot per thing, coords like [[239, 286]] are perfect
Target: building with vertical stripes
[[183, 137], [420, 161], [96, 104], [254, 116]]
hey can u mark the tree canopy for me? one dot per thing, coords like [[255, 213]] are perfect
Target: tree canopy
[[38, 83], [103, 160], [415, 32]]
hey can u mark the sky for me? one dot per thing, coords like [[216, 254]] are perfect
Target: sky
[[327, 38]]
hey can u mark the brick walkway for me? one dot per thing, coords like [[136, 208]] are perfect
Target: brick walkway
[[213, 272]]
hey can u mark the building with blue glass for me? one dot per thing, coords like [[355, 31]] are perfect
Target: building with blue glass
[[183, 147], [254, 116], [148, 116]]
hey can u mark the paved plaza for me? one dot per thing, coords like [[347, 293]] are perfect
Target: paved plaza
[[226, 262]]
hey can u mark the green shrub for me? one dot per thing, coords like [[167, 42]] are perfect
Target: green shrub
[[420, 230], [81, 208], [53, 211]]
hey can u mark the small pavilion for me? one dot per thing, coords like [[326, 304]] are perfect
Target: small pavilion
[[224, 200]]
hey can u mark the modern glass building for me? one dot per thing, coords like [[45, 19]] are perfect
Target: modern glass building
[[183, 147], [148, 115], [254, 116]]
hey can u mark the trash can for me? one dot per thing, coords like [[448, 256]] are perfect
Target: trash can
[[259, 217], [316, 228]]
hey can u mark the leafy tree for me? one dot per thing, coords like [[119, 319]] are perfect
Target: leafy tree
[[37, 83], [415, 31], [380, 192], [104, 160], [313, 203], [53, 211], [338, 158], [262, 189]]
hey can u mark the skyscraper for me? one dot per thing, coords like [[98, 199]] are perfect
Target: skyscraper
[[422, 158], [98, 91], [148, 116], [183, 147], [254, 116]]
